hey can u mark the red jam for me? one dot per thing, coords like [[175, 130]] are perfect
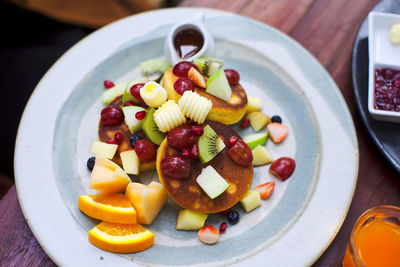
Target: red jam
[[387, 89]]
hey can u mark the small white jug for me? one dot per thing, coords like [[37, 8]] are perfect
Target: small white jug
[[196, 22]]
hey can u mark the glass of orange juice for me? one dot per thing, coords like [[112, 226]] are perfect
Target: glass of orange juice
[[375, 239]]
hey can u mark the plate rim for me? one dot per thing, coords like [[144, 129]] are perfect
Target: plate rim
[[23, 123]]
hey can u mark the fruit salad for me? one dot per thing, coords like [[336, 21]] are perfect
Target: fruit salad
[[178, 122]]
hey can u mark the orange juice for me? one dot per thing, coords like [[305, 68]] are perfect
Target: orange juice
[[375, 240]]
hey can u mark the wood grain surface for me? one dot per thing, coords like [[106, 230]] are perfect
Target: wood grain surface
[[327, 29]]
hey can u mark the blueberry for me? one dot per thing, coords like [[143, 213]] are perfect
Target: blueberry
[[276, 118], [233, 217], [133, 140], [90, 163]]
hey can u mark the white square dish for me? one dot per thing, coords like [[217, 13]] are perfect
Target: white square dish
[[382, 54]]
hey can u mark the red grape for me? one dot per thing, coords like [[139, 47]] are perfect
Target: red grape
[[176, 166], [282, 168], [135, 91], [111, 116], [182, 137], [183, 84], [182, 68], [145, 150], [232, 76], [241, 153]]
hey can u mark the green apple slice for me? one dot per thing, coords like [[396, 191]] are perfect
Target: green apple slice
[[211, 182], [110, 94], [190, 220], [217, 85], [127, 96], [134, 124], [251, 200], [254, 140]]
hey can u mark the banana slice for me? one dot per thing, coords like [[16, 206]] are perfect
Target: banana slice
[[169, 116], [194, 106], [153, 94]]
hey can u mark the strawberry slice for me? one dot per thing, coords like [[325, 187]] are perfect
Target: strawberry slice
[[266, 189], [196, 77], [208, 234], [277, 132]]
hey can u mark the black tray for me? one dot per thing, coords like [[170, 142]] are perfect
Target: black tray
[[385, 135]]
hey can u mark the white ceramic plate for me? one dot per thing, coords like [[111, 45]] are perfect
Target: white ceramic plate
[[292, 228]]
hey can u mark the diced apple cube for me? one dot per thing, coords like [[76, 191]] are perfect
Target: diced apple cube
[[147, 200], [261, 156], [190, 220], [253, 104], [250, 200], [258, 120], [130, 161], [211, 182], [103, 150], [108, 177]]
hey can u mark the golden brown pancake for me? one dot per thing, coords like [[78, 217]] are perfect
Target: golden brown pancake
[[228, 112], [108, 132], [189, 195]]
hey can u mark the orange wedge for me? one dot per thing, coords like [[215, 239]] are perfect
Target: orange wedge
[[110, 208], [121, 238]]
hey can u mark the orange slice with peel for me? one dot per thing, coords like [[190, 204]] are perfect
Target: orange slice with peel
[[110, 208], [121, 238]]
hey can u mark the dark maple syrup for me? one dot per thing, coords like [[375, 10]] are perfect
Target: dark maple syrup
[[188, 42]]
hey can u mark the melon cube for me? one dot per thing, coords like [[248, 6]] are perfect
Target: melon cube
[[108, 177], [147, 200], [190, 220], [211, 182], [251, 200], [103, 150]]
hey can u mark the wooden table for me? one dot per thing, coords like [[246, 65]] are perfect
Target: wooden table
[[327, 29]]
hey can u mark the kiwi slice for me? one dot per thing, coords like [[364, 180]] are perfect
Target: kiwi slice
[[150, 128], [208, 65], [209, 144], [153, 69]]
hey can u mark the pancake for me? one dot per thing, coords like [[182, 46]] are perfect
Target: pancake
[[108, 132], [189, 195], [227, 112]]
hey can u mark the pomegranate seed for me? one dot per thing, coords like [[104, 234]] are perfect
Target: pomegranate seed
[[244, 123], [222, 227], [130, 103], [225, 212], [118, 137], [197, 130], [108, 84], [140, 115], [194, 152], [231, 141], [185, 152], [112, 141]]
